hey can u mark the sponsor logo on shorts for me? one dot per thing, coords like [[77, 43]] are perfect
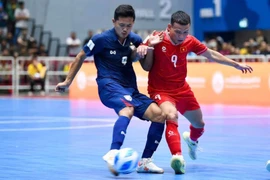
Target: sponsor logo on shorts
[[128, 97], [158, 97]]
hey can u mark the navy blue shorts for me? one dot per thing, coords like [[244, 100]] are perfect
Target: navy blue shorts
[[117, 97]]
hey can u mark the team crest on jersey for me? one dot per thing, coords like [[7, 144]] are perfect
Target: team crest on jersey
[[183, 49]]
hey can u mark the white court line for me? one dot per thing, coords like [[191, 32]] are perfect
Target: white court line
[[50, 117], [39, 119], [237, 116], [56, 128], [54, 120]]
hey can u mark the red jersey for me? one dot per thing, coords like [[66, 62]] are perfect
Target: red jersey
[[169, 69]]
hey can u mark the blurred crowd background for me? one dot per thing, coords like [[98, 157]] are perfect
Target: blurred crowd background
[[36, 29]]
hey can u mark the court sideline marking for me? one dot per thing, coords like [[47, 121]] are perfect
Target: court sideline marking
[[50, 119]]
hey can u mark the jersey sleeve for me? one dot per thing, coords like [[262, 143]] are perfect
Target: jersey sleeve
[[136, 40], [197, 46], [94, 45]]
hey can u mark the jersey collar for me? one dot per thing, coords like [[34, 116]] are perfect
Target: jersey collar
[[115, 37]]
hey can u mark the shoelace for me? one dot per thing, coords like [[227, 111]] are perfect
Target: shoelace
[[148, 160]]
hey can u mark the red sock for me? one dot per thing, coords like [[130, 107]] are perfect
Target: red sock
[[173, 137], [195, 133]]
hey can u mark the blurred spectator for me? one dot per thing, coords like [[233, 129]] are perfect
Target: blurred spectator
[[225, 49], [23, 51], [263, 48], [245, 49], [37, 75], [5, 52], [90, 34], [5, 66], [66, 69], [10, 9], [33, 47], [42, 50], [73, 45], [1, 35], [268, 49], [260, 37], [9, 38], [212, 43], [24, 39], [3, 20], [4, 45], [22, 16]]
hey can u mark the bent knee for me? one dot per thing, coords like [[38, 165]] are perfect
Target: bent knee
[[173, 116], [127, 111], [158, 116], [199, 124]]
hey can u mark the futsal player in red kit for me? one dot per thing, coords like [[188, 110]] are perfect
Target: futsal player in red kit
[[167, 66]]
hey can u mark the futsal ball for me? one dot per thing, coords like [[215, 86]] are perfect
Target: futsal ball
[[268, 165], [126, 161]]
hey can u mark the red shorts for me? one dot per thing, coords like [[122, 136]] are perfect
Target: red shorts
[[183, 101]]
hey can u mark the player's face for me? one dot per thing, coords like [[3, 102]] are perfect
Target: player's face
[[123, 26], [178, 32]]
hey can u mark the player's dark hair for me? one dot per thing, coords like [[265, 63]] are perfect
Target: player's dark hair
[[124, 10], [180, 17], [21, 3]]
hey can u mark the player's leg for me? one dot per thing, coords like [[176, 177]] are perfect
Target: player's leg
[[196, 131], [149, 110], [172, 134], [116, 97], [190, 109], [118, 136]]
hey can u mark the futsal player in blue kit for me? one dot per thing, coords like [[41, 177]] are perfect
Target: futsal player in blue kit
[[117, 86]]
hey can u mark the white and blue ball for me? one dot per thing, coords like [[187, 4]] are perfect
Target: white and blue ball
[[268, 165], [126, 161]]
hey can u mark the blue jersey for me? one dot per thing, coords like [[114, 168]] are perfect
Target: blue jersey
[[116, 78], [112, 59]]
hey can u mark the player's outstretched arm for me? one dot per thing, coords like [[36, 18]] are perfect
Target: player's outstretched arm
[[75, 67], [219, 58], [146, 60]]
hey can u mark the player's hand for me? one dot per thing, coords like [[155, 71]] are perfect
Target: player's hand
[[244, 68], [143, 49], [62, 87], [155, 39]]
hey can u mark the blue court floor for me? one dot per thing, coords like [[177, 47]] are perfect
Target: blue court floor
[[61, 139]]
